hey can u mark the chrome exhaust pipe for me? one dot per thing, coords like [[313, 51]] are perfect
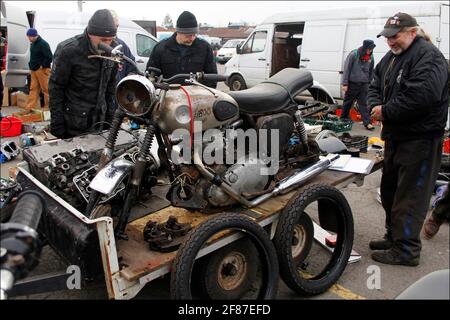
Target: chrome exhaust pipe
[[282, 187]]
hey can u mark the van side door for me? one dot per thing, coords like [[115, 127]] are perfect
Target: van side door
[[254, 58], [18, 54], [322, 52], [144, 47]]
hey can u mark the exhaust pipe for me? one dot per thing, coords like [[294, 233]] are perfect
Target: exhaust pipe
[[282, 187]]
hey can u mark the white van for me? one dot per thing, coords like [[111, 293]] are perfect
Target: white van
[[325, 38], [228, 50], [55, 27]]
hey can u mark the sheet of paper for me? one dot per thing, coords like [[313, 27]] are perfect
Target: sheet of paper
[[356, 165]]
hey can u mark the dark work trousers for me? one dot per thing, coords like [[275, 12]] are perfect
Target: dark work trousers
[[409, 175], [356, 91]]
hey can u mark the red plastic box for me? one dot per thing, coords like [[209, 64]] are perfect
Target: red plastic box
[[446, 146], [10, 127]]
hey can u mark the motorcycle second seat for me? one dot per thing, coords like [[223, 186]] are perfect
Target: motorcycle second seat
[[272, 96]]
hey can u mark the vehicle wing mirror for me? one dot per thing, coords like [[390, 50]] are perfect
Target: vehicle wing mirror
[[238, 49]]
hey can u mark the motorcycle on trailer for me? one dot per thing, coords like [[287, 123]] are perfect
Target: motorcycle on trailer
[[218, 119], [220, 152]]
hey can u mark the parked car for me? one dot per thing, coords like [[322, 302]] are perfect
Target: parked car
[[228, 50]]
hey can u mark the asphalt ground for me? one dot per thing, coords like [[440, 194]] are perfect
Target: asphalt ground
[[357, 281]]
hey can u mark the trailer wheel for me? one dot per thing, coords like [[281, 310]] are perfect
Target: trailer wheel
[[302, 238], [181, 275], [230, 272], [237, 83], [300, 281]]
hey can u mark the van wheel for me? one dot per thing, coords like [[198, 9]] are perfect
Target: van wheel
[[229, 273], [237, 83]]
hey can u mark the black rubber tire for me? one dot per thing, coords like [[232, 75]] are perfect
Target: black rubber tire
[[236, 83], [306, 226], [212, 267], [181, 274], [284, 233]]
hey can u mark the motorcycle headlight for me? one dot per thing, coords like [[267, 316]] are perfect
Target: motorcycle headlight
[[135, 95]]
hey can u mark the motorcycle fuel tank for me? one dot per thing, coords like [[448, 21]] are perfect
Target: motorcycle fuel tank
[[212, 107]]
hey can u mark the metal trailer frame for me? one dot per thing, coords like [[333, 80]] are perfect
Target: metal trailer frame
[[123, 284]]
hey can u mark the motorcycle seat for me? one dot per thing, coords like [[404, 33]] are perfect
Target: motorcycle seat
[[274, 94]]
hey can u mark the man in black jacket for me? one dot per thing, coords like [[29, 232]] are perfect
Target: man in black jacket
[[409, 94], [81, 85], [40, 60], [183, 52]]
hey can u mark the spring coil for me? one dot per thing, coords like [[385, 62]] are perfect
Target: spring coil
[[114, 131], [144, 153], [300, 126]]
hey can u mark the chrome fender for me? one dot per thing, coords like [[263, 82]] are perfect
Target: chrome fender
[[110, 177]]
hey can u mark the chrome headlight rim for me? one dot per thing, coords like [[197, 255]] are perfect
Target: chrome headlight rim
[[147, 84]]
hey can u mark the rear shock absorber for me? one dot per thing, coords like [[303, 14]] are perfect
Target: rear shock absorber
[[300, 126], [138, 172]]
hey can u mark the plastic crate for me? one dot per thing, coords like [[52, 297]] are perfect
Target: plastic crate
[[358, 142], [10, 127], [339, 125]]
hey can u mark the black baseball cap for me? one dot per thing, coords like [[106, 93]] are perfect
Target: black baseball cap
[[396, 23]]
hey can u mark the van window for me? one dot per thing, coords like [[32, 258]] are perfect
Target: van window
[[144, 45], [256, 43]]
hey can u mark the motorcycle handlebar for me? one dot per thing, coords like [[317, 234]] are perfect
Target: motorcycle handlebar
[[214, 77], [199, 76]]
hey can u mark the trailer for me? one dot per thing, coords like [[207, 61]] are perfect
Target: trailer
[[126, 266]]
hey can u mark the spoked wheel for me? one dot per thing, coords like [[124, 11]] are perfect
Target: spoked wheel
[[231, 266], [313, 271], [230, 272]]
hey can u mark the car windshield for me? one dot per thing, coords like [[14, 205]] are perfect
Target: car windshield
[[231, 44]]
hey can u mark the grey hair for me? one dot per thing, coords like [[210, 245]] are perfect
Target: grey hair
[[419, 31]]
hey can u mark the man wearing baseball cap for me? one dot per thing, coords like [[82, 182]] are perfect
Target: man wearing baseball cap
[[409, 94], [82, 88], [184, 52]]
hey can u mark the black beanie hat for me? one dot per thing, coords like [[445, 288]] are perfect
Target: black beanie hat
[[368, 44], [187, 23], [102, 24]]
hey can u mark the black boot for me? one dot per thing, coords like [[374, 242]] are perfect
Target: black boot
[[393, 258], [384, 244]]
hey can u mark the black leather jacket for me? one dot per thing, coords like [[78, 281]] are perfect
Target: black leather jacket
[[167, 57], [413, 93], [81, 89]]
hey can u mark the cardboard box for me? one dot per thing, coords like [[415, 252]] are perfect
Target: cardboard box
[[22, 100], [45, 112], [13, 101], [30, 117]]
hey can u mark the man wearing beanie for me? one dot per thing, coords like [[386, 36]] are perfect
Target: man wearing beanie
[[183, 52], [358, 70], [82, 88], [40, 60]]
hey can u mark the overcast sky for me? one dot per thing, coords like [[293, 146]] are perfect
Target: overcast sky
[[216, 13]]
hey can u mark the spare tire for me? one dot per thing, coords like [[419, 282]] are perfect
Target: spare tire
[[290, 217]]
